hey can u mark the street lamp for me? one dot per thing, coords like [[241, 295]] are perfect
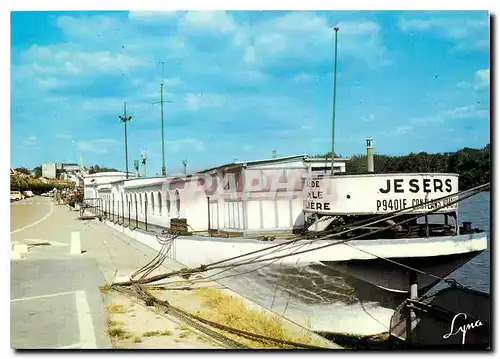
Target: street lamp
[[124, 119], [334, 95]]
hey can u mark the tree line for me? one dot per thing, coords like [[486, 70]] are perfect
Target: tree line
[[35, 185], [37, 171], [472, 165]]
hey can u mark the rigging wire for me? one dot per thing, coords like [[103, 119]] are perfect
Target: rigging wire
[[216, 265], [391, 215]]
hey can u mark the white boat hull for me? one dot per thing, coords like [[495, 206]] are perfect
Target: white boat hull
[[292, 285], [359, 258]]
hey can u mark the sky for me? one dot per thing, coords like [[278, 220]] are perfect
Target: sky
[[241, 84]]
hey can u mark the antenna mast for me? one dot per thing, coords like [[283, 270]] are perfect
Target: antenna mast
[[124, 119]]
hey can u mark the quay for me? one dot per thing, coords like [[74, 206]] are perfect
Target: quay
[[68, 293]]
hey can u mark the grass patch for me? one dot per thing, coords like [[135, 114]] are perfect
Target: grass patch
[[201, 339], [112, 323], [137, 340], [157, 333], [118, 333], [227, 310], [184, 327], [115, 308], [184, 334]]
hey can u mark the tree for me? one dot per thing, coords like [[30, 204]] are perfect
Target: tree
[[472, 165], [38, 171], [22, 170], [97, 169]]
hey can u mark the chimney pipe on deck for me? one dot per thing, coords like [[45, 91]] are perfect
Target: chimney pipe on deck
[[369, 155]]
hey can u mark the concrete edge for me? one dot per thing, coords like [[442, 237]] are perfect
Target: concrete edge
[[248, 303]]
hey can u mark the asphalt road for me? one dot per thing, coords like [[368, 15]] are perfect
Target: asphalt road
[[28, 211], [55, 297]]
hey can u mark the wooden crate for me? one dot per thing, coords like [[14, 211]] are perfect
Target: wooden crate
[[179, 225]]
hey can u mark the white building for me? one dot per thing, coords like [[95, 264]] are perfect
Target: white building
[[243, 197], [49, 170]]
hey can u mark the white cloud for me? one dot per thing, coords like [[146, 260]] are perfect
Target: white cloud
[[302, 77], [29, 141], [470, 111], [66, 60], [194, 102], [211, 21], [100, 146], [50, 83], [276, 40], [467, 33], [172, 82], [369, 118], [401, 130], [63, 137], [184, 144], [95, 28], [481, 81], [153, 16]]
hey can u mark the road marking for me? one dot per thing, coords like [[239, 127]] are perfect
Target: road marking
[[35, 223], [41, 296], [87, 335]]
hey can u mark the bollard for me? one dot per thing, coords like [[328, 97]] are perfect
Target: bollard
[[75, 247], [15, 255], [136, 215], [21, 248], [411, 319], [146, 213]]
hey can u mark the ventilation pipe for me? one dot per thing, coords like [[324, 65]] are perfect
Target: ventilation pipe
[[369, 154]]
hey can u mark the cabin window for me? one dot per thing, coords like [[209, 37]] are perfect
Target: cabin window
[[135, 202], [168, 203], [159, 203], [178, 203], [152, 203], [140, 202]]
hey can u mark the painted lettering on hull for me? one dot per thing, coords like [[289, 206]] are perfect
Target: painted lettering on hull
[[415, 185]]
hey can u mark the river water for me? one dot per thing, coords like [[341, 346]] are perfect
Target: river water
[[476, 273], [323, 300]]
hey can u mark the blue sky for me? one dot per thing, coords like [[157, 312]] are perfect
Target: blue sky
[[245, 83]]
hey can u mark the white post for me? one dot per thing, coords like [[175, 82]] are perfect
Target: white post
[[15, 255], [411, 322], [75, 247]]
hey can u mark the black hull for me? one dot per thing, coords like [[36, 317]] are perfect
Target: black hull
[[393, 278]]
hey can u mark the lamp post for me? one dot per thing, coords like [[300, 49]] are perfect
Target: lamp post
[[161, 102], [124, 119], [334, 95]]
